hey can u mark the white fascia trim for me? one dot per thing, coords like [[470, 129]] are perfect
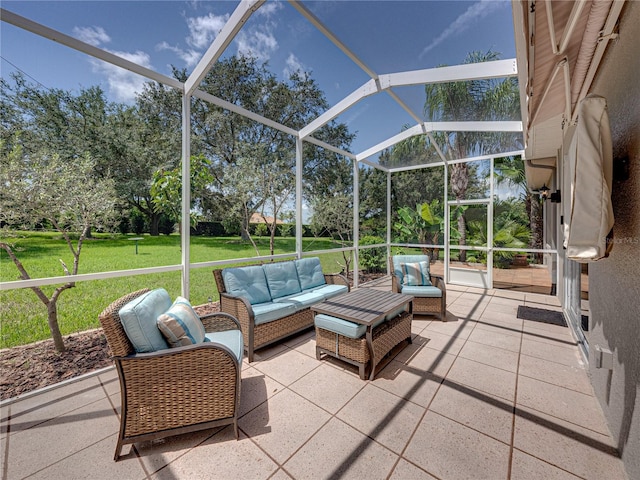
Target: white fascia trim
[[68, 41], [241, 14], [455, 73], [354, 97], [417, 167], [243, 111]]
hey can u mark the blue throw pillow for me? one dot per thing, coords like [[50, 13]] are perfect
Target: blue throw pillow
[[180, 325], [416, 274]]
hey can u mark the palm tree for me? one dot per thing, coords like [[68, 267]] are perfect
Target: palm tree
[[485, 99]]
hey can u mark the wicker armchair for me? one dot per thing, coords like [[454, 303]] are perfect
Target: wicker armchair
[[423, 305], [177, 390]]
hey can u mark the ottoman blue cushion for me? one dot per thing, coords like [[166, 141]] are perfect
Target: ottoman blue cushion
[[342, 327]]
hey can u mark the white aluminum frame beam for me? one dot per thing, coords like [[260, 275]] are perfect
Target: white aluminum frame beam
[[427, 127], [240, 15], [454, 73], [71, 42]]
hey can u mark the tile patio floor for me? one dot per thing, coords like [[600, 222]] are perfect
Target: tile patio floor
[[484, 396]]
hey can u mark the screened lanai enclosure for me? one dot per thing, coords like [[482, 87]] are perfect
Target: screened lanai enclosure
[[409, 159]]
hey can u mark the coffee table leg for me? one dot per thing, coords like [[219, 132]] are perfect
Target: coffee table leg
[[369, 337]]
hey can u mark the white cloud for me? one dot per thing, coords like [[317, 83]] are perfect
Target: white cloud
[[293, 64], [92, 35], [203, 30], [123, 84], [269, 9], [474, 13], [257, 43], [190, 56]]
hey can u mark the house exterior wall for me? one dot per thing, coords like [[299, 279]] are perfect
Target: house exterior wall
[[614, 283]]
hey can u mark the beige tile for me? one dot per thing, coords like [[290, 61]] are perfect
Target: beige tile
[[498, 300], [287, 367], [574, 378], [495, 357], [496, 339], [393, 422], [583, 452], [526, 467], [40, 408], [564, 354], [461, 329], [306, 346], [110, 382], [295, 340], [95, 462], [221, 457], [156, 454], [47, 443], [328, 387], [509, 294], [280, 475], [442, 342], [461, 312], [491, 380], [447, 449], [504, 328], [283, 424], [340, 451], [432, 360], [560, 402], [491, 317], [256, 388], [490, 415], [408, 471], [408, 382]]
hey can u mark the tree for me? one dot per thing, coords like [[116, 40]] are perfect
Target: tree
[[485, 99], [44, 186], [424, 223], [166, 190]]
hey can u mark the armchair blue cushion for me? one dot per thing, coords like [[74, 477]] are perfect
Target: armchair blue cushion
[[399, 260], [138, 318]]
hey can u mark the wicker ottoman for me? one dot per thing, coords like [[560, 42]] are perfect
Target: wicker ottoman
[[386, 336]]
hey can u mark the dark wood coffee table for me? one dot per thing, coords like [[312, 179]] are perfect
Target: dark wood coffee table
[[365, 306]]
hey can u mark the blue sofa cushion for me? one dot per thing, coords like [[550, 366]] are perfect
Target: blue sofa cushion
[[424, 291], [416, 273], [342, 327], [329, 291], [267, 312], [180, 325], [282, 279], [248, 282], [309, 272], [398, 260], [302, 300], [229, 338], [138, 318]]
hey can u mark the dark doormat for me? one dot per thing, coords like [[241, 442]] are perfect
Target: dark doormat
[[541, 315]]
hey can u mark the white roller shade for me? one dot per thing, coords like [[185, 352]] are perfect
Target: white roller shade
[[590, 168]]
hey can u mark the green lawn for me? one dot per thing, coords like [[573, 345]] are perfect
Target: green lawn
[[23, 317]]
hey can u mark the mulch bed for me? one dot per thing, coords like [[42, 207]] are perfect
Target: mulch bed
[[37, 365]]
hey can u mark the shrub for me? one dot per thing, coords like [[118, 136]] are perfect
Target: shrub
[[372, 260]]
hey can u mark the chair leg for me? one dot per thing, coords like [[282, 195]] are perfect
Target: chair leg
[[116, 457]]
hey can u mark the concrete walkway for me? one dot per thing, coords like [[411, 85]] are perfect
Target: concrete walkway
[[486, 395]]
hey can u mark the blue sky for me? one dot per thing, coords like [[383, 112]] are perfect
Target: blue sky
[[388, 36]]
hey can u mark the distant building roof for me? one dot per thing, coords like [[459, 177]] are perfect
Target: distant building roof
[[257, 218]]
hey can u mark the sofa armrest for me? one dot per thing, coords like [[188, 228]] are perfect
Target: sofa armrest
[[395, 283], [219, 322], [336, 279]]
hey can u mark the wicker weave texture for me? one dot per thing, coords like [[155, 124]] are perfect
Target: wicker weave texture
[[117, 339], [385, 338], [173, 391]]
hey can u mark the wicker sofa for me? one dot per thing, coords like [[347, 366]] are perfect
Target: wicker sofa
[[272, 300], [429, 296], [170, 391]]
